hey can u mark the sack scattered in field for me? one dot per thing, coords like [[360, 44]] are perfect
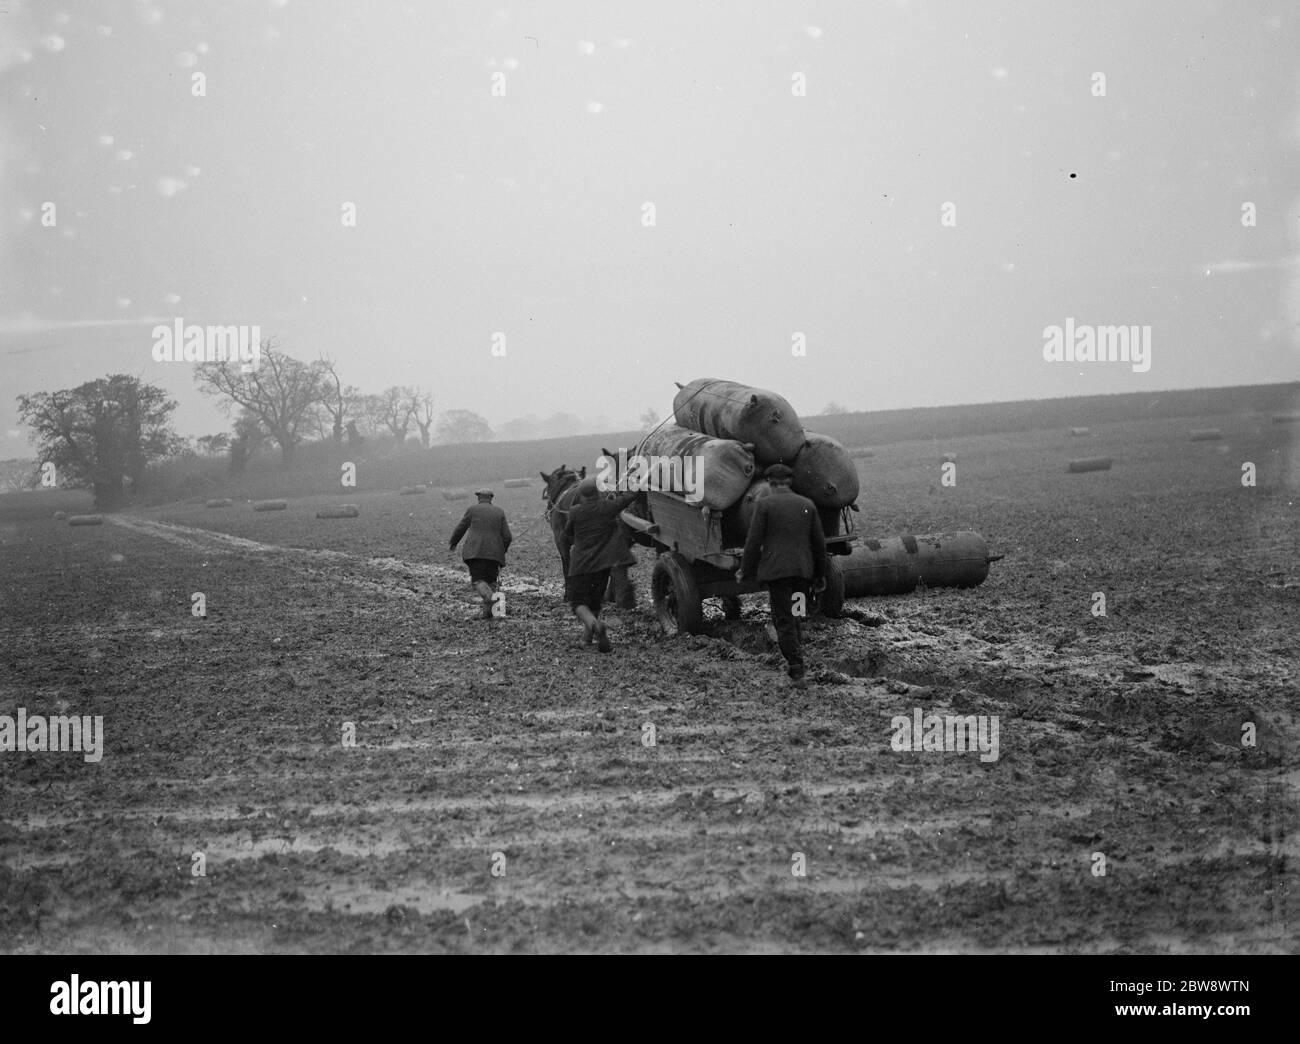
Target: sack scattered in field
[[221, 502], [59, 516], [727, 410], [270, 505], [1089, 464], [1206, 434], [522, 483], [408, 491], [861, 451], [342, 511], [86, 520], [455, 494], [1080, 431]]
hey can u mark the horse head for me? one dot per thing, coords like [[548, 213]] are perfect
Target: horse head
[[559, 480]]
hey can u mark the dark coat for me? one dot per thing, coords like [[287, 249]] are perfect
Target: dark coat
[[596, 537], [785, 538], [489, 533]]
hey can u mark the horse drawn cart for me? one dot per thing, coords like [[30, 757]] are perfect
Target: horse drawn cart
[[700, 550]]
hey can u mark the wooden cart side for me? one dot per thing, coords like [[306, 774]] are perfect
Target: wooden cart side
[[693, 564], [675, 524]]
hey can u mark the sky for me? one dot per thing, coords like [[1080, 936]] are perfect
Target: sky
[[638, 193]]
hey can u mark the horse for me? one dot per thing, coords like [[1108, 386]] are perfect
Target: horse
[[560, 489], [559, 492]]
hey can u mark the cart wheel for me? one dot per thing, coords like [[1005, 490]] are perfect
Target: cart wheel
[[831, 601], [676, 596]]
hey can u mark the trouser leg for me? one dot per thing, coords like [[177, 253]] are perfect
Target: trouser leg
[[782, 598], [621, 591], [485, 591], [588, 620]]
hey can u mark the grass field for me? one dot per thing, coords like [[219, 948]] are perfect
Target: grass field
[[501, 796]]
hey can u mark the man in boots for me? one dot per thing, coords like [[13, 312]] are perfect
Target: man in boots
[[597, 544], [487, 538], [786, 549]]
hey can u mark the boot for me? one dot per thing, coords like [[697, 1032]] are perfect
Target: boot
[[484, 590], [589, 623], [602, 637]]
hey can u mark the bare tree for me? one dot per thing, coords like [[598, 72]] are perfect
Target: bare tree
[[832, 408], [649, 419], [394, 408], [339, 403], [281, 393], [355, 439], [424, 416]]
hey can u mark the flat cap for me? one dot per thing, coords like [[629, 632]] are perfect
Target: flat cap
[[483, 493], [779, 473]]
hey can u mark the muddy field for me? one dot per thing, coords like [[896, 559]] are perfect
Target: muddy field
[[500, 796]]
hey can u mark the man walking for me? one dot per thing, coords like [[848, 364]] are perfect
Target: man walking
[[487, 538], [786, 548], [596, 543]]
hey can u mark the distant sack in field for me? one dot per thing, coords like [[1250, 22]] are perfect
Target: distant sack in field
[[727, 410]]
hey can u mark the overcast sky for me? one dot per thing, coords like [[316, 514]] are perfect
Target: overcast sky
[[775, 212]]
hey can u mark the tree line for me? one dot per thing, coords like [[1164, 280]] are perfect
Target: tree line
[[105, 433], [289, 401]]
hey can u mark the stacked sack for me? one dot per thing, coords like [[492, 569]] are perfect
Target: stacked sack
[[725, 466], [767, 424]]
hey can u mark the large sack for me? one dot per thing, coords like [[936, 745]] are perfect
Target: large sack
[[717, 475], [825, 473], [727, 410], [735, 523]]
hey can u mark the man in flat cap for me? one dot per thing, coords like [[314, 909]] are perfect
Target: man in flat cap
[[786, 549], [487, 538], [596, 543]]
